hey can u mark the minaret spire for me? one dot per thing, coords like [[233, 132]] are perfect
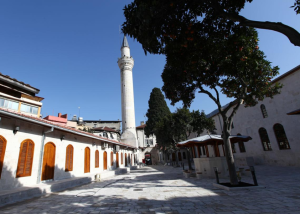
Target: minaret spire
[[125, 42]]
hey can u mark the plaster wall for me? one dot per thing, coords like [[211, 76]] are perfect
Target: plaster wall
[[34, 132], [247, 121]]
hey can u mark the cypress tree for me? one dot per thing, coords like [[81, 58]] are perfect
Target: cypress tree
[[158, 109]]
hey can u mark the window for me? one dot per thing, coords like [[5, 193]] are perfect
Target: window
[[241, 145], [281, 136], [2, 152], [96, 159], [25, 158], [69, 158], [265, 139], [264, 111], [29, 109], [4, 103]]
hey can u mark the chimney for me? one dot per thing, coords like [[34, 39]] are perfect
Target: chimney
[[59, 114]]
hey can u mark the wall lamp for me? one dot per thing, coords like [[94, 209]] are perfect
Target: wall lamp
[[94, 143], [16, 129], [62, 137]]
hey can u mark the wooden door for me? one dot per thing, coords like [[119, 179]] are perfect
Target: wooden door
[[48, 161], [125, 159], [179, 156], [2, 152], [117, 159], [111, 159], [104, 160], [87, 160]]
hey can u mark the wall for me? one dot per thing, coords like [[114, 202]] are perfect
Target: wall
[[247, 121], [34, 132]]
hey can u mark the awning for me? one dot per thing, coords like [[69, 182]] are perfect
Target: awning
[[212, 139], [294, 112]]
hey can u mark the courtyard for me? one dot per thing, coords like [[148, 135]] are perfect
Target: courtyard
[[162, 189]]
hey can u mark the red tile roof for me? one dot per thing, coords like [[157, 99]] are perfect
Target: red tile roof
[[66, 128], [141, 126], [105, 129]]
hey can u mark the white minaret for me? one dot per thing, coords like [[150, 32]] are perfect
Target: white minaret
[[126, 63]]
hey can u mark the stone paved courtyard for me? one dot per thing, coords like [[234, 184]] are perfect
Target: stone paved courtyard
[[162, 189]]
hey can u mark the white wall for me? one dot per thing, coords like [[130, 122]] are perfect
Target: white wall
[[34, 132]]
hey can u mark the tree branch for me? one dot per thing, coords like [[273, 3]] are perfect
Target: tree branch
[[211, 97], [292, 34]]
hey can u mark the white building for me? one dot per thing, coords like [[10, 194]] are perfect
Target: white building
[[275, 135]]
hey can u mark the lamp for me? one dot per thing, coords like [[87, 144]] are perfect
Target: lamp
[[16, 129], [94, 143], [62, 137]]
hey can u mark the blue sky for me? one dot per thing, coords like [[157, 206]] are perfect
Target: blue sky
[[69, 50]]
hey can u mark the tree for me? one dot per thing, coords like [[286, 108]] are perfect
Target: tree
[[178, 127], [204, 55], [232, 65], [151, 21], [157, 109]]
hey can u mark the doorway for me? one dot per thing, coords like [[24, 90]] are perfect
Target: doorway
[[48, 162], [87, 160]]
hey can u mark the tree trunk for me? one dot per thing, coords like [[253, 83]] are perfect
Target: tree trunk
[[228, 152], [189, 159]]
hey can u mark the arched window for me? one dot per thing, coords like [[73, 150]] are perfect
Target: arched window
[[2, 152], [264, 111], [112, 159], [87, 160], [25, 158], [241, 145], [96, 159], [281, 136], [265, 139], [122, 158], [69, 158]]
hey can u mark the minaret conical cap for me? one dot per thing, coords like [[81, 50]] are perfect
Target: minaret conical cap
[[125, 42]]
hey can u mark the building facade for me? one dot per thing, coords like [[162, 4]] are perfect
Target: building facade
[[275, 134]]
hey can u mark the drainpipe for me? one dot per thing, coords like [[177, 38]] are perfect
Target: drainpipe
[[41, 154]]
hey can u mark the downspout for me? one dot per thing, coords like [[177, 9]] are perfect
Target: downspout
[[41, 154]]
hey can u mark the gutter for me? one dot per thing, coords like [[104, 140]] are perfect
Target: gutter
[[60, 128]]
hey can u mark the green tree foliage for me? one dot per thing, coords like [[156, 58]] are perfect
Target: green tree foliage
[[150, 21], [158, 109], [179, 125]]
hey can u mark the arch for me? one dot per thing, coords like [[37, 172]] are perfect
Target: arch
[[122, 158], [25, 158], [69, 158], [125, 159], [264, 111], [117, 159], [111, 158], [48, 161], [2, 152], [104, 160], [97, 159], [282, 140], [87, 159], [264, 139]]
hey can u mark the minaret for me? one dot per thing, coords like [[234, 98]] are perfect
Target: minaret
[[126, 63]]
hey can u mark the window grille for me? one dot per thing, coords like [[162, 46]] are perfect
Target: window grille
[[265, 139], [281, 136]]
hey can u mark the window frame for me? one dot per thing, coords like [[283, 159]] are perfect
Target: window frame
[[68, 165], [24, 174], [279, 138], [264, 111], [268, 144]]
